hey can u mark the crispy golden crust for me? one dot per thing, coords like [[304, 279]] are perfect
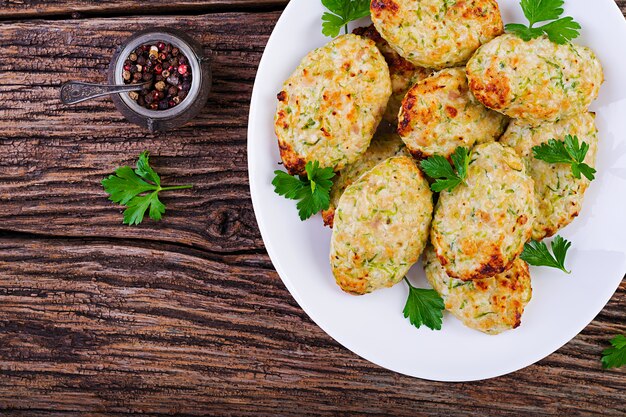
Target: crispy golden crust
[[437, 33], [403, 74], [480, 227], [490, 305], [537, 81], [330, 107], [329, 217], [494, 93], [383, 146], [292, 161], [558, 194], [381, 226], [440, 114]]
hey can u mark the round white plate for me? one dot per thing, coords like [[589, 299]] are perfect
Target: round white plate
[[373, 326]]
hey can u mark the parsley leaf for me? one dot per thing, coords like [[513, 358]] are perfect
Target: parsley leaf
[[615, 357], [138, 190], [438, 167], [461, 160], [537, 253], [569, 151], [341, 13], [562, 31], [312, 191], [523, 31], [559, 31], [424, 307], [542, 10]]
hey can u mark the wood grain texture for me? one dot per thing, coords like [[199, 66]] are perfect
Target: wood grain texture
[[54, 157], [186, 331], [188, 315], [77, 8]]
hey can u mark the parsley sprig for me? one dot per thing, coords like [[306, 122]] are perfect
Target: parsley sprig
[[615, 356], [341, 13], [424, 307], [537, 253], [569, 151], [438, 167], [560, 30], [312, 191], [138, 190]]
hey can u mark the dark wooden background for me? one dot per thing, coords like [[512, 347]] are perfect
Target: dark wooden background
[[187, 315]]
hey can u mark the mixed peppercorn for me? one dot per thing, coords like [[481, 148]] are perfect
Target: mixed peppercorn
[[166, 72]]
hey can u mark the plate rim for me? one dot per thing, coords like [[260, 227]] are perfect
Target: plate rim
[[273, 252]]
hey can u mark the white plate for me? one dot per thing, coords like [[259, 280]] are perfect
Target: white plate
[[372, 326]]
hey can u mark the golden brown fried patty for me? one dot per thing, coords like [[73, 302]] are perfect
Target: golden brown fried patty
[[480, 227], [437, 33], [383, 146], [558, 194], [440, 114], [381, 226], [403, 74], [329, 108], [490, 305], [537, 81]]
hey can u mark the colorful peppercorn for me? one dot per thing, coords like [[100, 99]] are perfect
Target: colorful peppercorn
[[154, 52], [165, 72]]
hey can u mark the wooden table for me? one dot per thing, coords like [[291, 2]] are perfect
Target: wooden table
[[186, 315]]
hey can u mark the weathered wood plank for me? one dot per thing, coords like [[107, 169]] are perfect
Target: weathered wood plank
[[53, 157], [93, 326], [87, 325], [40, 8]]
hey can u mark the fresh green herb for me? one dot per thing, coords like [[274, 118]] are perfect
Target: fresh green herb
[[560, 30], [312, 191], [537, 253], [438, 167], [138, 190], [566, 152], [342, 13], [615, 357], [424, 307], [309, 124]]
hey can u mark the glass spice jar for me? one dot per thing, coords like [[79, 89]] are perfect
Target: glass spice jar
[[180, 107]]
